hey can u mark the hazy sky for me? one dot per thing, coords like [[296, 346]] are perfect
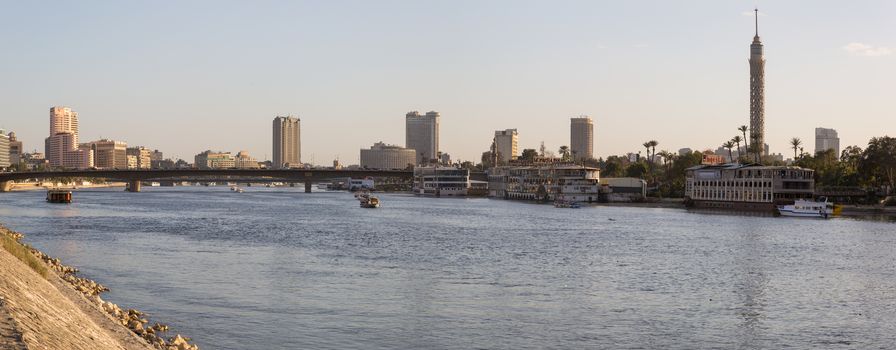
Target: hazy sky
[[185, 76]]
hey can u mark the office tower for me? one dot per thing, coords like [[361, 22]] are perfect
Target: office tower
[[4, 150], [287, 143], [383, 156], [826, 139], [15, 149], [214, 160], [581, 137], [108, 154], [757, 93], [422, 135], [63, 138], [506, 143]]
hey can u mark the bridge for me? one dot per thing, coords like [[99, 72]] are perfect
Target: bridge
[[135, 177]]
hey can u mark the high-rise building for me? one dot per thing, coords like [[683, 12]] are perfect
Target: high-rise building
[[63, 140], [422, 135], [143, 157], [15, 149], [757, 92], [214, 160], [506, 143], [383, 156], [287, 142], [108, 154], [826, 139], [4, 150], [581, 137]]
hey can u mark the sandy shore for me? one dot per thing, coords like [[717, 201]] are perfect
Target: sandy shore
[[64, 311]]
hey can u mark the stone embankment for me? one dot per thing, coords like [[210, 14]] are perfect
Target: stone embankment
[[65, 311]]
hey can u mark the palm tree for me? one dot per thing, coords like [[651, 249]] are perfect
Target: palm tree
[[729, 145], [667, 157], [647, 146], [737, 140], [653, 145], [564, 153], [743, 129], [795, 142]]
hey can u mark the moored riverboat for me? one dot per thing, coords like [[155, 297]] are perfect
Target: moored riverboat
[[747, 187], [59, 196], [809, 209]]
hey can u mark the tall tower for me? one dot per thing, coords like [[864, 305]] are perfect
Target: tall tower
[[422, 135], [757, 93], [581, 137], [287, 150]]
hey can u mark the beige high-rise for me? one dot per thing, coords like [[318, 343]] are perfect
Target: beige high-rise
[[61, 147], [422, 135], [506, 143], [109, 154], [287, 143], [64, 119], [581, 137]]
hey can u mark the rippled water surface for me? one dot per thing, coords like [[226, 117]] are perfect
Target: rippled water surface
[[280, 269]]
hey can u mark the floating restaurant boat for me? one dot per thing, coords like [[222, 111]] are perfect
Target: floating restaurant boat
[[809, 209], [59, 196]]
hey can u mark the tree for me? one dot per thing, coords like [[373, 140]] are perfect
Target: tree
[[636, 170], [729, 145], [529, 155], [878, 162], [653, 145], [647, 146], [564, 153], [541, 149], [743, 129], [795, 143], [737, 140]]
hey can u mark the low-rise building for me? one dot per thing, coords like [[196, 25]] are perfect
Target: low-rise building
[[622, 189], [214, 160], [244, 161], [746, 186], [142, 155], [383, 156], [15, 149], [441, 181]]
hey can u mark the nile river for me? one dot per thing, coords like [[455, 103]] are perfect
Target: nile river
[[278, 269]]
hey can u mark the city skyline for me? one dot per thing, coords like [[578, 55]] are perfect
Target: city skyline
[[635, 86]]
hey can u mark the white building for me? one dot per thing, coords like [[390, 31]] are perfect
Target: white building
[[142, 155], [4, 150], [581, 137], [506, 143], [214, 160], [826, 139], [422, 135], [383, 156]]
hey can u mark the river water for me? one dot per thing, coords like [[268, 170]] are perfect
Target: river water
[[273, 268]]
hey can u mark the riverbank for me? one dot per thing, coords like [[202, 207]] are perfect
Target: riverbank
[[45, 305]]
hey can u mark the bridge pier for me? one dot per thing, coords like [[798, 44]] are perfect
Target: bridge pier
[[5, 186], [134, 186], [307, 186]]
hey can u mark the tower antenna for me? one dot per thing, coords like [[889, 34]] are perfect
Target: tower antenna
[[756, 10]]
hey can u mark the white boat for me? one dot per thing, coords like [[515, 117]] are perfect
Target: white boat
[[808, 208], [367, 201]]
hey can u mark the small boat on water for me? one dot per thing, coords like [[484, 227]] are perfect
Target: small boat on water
[[59, 196], [809, 209], [563, 203], [367, 201]]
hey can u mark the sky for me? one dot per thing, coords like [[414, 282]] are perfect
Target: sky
[[186, 76]]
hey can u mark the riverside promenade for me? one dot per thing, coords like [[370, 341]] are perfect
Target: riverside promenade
[[44, 305]]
